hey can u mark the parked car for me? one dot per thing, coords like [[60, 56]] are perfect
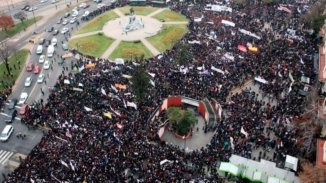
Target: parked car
[[23, 109], [44, 1], [37, 69], [64, 30], [74, 13], [28, 81], [54, 41], [47, 43], [73, 20], [22, 98], [41, 59], [65, 47], [26, 7], [6, 133], [41, 42], [55, 32], [83, 5], [86, 14], [50, 29], [99, 6], [46, 65], [50, 51], [64, 22], [39, 49], [40, 78], [67, 15], [97, 1], [54, 1], [12, 103], [11, 116], [29, 67], [33, 8]]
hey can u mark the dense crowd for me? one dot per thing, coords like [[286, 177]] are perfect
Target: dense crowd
[[95, 137]]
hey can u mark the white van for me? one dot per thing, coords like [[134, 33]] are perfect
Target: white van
[[39, 49], [6, 132], [50, 51]]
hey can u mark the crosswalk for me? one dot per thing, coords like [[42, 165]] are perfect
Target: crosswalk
[[4, 156]]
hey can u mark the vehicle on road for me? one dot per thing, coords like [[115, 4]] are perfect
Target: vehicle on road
[[86, 14], [12, 103], [54, 41], [41, 59], [66, 15], [54, 1], [41, 41], [83, 5], [65, 47], [29, 67], [73, 20], [74, 13], [22, 98], [50, 52], [24, 109], [6, 132], [40, 78], [99, 6], [26, 7], [64, 30], [44, 1], [39, 49], [47, 43], [46, 65], [64, 22], [11, 116], [55, 32], [33, 8], [28, 81], [37, 69], [97, 1], [50, 29]]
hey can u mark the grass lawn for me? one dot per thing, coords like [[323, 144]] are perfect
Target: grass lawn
[[139, 10], [97, 23], [18, 27], [169, 35], [130, 50], [170, 16], [21, 56], [94, 45]]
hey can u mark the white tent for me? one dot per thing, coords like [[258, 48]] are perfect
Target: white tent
[[291, 162], [229, 167]]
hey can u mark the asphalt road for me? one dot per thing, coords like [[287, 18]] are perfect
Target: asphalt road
[[15, 145]]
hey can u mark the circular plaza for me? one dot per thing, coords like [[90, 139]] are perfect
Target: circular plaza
[[130, 33]]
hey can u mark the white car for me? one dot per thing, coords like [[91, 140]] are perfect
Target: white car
[[54, 1], [28, 81], [43, 1], [64, 22], [64, 30], [40, 78], [54, 41], [23, 98], [46, 65], [39, 49], [32, 8], [83, 5], [99, 6], [6, 132], [41, 59], [86, 14], [73, 20], [74, 13]]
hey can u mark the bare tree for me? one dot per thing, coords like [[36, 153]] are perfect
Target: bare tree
[[309, 173], [6, 50], [20, 16]]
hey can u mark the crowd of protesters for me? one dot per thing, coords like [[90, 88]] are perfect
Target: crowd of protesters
[[96, 137]]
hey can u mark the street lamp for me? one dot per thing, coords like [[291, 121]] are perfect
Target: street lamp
[[185, 142]]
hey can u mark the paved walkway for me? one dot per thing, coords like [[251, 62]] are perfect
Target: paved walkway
[[180, 22], [118, 12], [156, 12], [111, 48], [85, 34], [150, 47]]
